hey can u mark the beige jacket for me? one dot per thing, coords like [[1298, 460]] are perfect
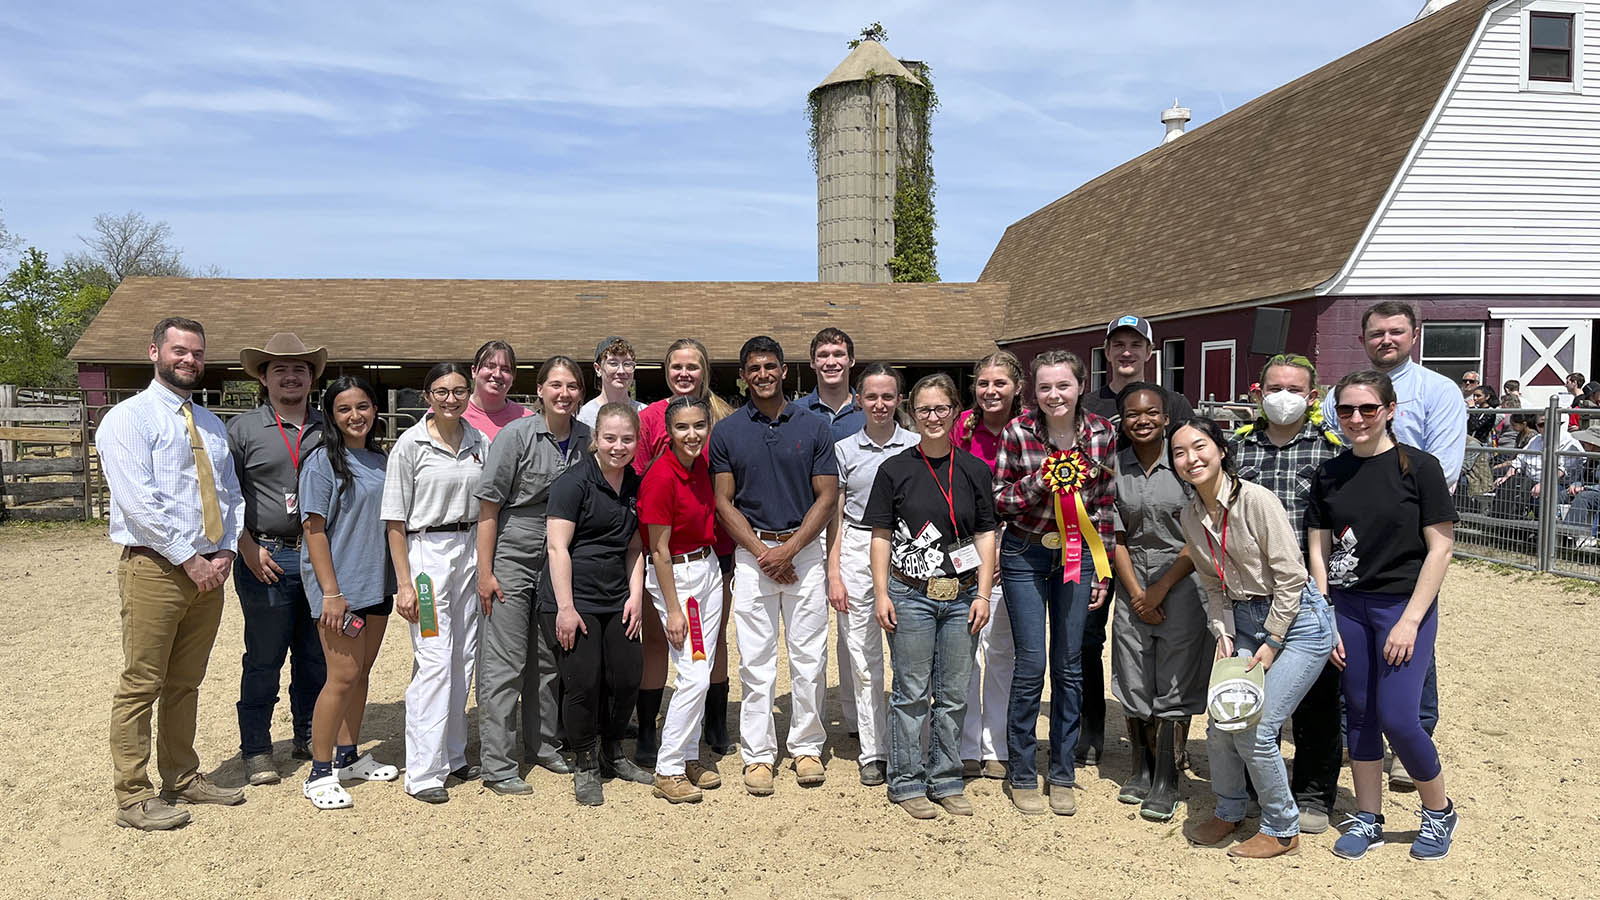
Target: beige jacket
[[1263, 558]]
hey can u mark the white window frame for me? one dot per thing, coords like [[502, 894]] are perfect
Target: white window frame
[[1166, 356], [1572, 7], [1232, 347], [1097, 368], [1422, 346]]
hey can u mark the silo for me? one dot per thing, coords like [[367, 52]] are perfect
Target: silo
[[860, 145]]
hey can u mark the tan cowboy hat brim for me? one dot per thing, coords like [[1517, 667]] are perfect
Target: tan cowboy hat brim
[[283, 345]]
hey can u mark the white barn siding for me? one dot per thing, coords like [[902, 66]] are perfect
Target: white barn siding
[[1503, 195]]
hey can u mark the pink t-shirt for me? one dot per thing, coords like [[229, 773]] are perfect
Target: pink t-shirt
[[978, 439], [491, 423]]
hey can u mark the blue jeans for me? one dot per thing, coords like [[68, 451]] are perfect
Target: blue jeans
[[1037, 600], [1255, 750], [277, 620], [931, 649]]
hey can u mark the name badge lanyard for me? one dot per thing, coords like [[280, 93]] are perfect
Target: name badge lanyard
[[1217, 558], [294, 448], [950, 495]]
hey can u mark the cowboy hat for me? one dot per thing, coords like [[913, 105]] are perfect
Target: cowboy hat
[[284, 345]]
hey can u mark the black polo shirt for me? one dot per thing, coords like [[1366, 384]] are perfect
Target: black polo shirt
[[909, 500], [604, 522], [773, 462]]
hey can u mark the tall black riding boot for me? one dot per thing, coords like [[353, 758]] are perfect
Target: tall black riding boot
[[715, 728], [1162, 803], [648, 707], [1141, 738]]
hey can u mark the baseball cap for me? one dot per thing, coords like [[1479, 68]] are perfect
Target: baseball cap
[[1136, 323], [1236, 697], [600, 348], [1591, 387]]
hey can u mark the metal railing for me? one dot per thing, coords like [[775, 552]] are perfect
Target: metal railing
[[1535, 509]]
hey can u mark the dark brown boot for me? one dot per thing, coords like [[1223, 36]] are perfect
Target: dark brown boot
[[1211, 833]]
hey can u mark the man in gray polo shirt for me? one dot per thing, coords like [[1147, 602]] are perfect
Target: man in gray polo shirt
[[268, 444]]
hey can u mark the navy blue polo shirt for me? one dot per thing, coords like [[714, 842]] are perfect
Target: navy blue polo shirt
[[850, 418], [773, 462]]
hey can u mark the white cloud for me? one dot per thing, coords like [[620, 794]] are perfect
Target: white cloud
[[243, 103]]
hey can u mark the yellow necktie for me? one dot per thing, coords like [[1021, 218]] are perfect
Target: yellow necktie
[[209, 508]]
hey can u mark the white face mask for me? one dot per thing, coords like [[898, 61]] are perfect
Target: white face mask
[[1283, 407]]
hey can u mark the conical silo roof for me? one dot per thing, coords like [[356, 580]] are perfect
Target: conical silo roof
[[868, 56]]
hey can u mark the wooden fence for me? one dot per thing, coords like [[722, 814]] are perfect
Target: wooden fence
[[44, 460]]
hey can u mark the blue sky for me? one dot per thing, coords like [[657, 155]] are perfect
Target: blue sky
[[586, 140]]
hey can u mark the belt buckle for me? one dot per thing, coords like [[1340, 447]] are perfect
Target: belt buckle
[[1051, 540], [943, 589]]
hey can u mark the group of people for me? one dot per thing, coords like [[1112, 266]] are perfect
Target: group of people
[[563, 555]]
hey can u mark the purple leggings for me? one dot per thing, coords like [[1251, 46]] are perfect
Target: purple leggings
[[1380, 699]]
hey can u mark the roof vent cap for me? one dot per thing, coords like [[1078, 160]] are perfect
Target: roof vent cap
[[1175, 119]]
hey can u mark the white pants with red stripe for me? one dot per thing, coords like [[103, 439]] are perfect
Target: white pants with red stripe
[[441, 677], [680, 734]]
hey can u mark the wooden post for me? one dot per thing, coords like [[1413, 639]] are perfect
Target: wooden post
[[83, 453], [8, 399]]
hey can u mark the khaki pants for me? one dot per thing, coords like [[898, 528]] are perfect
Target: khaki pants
[[167, 630]]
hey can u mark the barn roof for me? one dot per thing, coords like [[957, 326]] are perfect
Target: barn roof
[[1265, 201], [417, 320]]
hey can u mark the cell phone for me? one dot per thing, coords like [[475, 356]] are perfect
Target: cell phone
[[353, 624]]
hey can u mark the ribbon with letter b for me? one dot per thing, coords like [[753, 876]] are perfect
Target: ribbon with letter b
[[1065, 473]]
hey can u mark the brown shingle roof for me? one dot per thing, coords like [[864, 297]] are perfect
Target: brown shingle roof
[[394, 320], [1266, 200]]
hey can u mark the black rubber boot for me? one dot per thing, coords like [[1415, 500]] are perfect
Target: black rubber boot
[[1162, 803], [648, 707], [586, 780], [715, 728], [614, 763], [1141, 737]]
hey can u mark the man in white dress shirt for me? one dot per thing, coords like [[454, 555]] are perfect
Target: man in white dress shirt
[[176, 509]]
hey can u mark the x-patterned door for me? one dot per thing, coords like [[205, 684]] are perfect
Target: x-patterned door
[[1541, 350]]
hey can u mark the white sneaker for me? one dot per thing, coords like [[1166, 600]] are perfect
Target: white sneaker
[[365, 768], [327, 793]]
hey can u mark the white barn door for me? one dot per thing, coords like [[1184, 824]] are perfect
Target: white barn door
[[1540, 347]]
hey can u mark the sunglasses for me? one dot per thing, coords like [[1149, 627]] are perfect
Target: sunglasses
[[1348, 410]]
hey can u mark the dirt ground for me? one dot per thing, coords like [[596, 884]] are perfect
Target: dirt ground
[[1518, 686]]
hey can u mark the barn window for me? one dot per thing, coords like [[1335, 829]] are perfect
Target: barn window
[[1097, 368], [1453, 348], [1172, 365], [1550, 38]]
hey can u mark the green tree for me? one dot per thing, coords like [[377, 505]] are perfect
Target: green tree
[[42, 313]]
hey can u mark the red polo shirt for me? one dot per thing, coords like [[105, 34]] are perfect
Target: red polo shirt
[[669, 495]]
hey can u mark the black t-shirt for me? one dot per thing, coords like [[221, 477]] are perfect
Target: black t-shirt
[[1377, 514], [1103, 402], [909, 500], [604, 522]]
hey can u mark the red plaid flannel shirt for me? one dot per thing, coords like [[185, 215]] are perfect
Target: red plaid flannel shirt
[[1020, 496]]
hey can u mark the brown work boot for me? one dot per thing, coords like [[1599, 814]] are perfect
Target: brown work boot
[[702, 777], [1265, 846], [1062, 802], [994, 768], [677, 789], [808, 771], [918, 807], [758, 779], [956, 805], [971, 768], [152, 815], [1213, 832], [1028, 801], [201, 790]]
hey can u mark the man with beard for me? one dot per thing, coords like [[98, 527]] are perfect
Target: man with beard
[[267, 445], [177, 511]]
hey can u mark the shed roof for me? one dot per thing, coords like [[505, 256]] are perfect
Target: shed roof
[[416, 320], [868, 58], [1267, 200]]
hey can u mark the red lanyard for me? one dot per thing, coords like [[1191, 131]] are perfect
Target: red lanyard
[[950, 495], [1216, 558], [294, 448]]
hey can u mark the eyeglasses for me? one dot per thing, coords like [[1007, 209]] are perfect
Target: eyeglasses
[[621, 365], [934, 412], [1367, 410], [446, 393]]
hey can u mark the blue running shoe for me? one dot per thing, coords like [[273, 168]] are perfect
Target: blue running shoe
[[1433, 838], [1362, 832]]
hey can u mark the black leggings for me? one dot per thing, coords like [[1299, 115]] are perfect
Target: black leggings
[[602, 668]]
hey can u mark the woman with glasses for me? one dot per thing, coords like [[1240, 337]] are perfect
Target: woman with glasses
[[1263, 608], [850, 592], [349, 583], [494, 370], [590, 597], [933, 559], [1041, 597], [1381, 528], [430, 505], [997, 399], [516, 664], [688, 371]]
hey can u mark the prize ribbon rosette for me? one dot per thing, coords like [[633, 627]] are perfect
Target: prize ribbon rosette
[[1065, 473]]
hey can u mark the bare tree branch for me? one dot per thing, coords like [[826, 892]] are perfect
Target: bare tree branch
[[130, 244]]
